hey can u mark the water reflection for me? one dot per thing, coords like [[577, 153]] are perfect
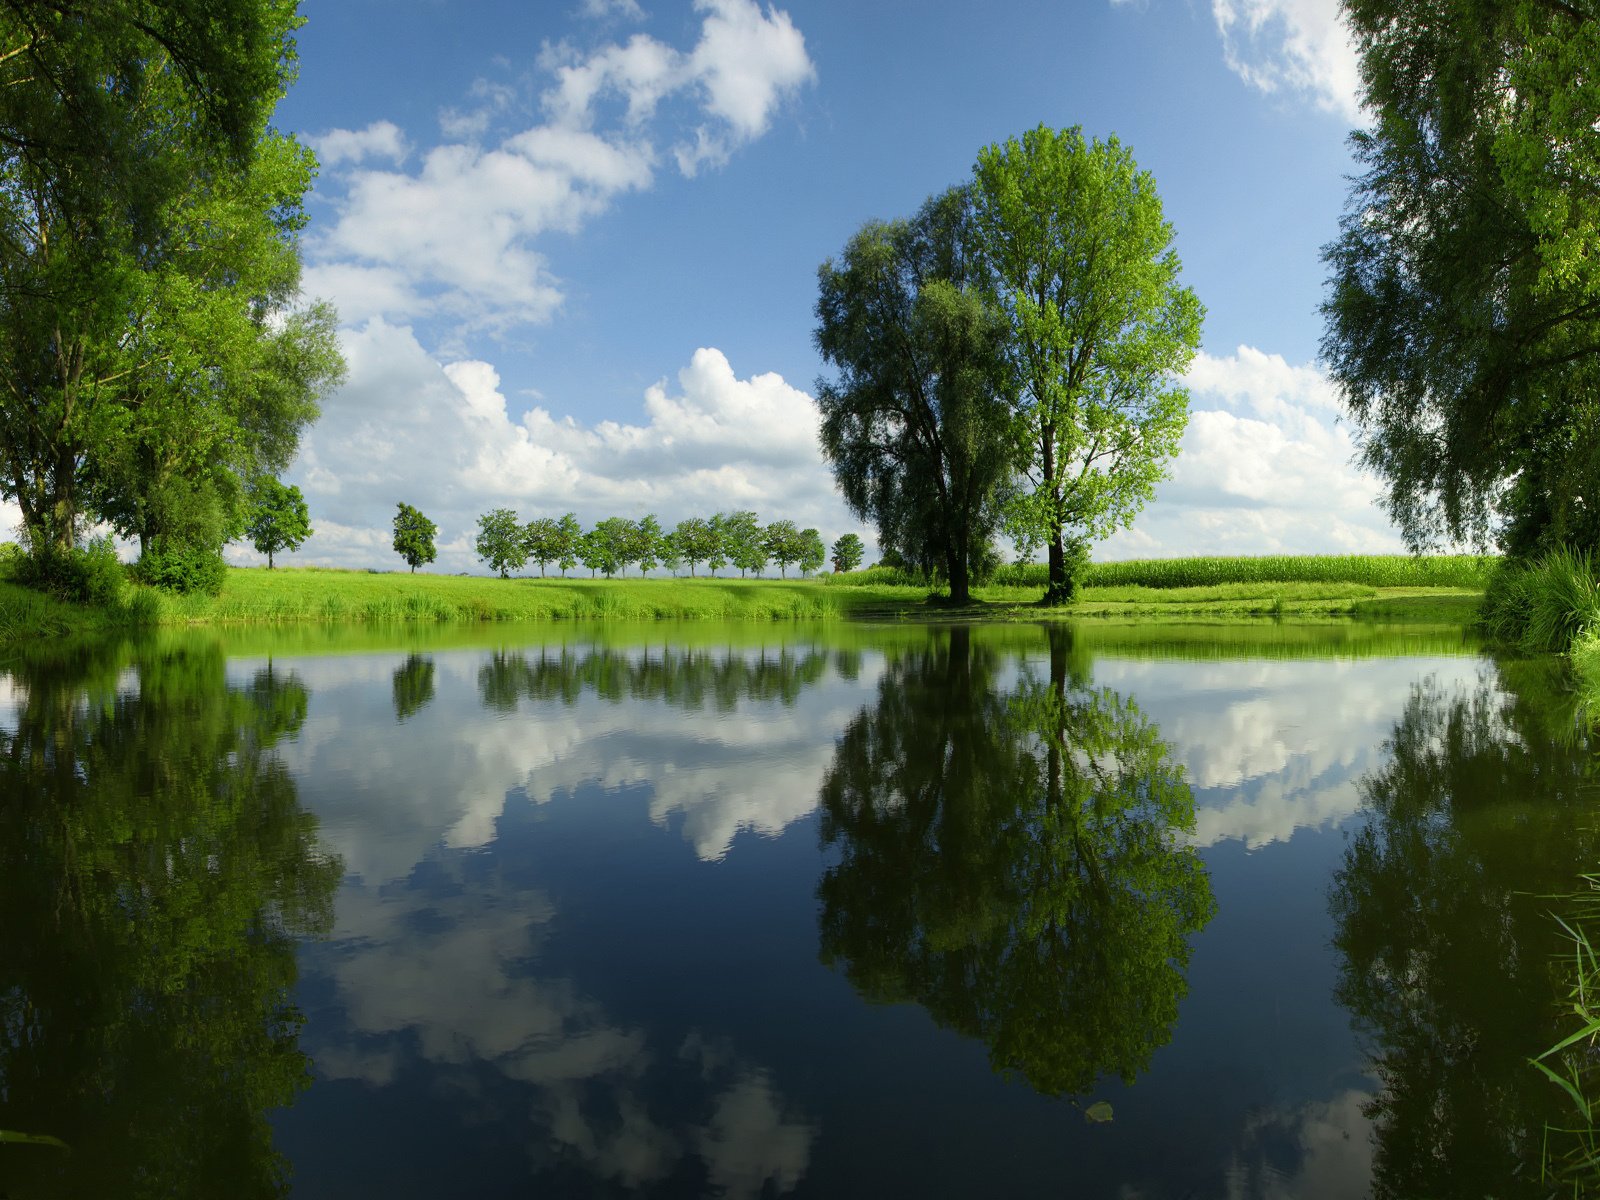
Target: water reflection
[[1012, 857], [413, 686], [155, 868], [1448, 952]]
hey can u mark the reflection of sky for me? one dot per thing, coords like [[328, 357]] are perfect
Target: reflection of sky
[[1275, 746], [454, 962], [445, 773]]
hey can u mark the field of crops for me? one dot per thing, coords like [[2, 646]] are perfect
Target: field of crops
[[1372, 570]]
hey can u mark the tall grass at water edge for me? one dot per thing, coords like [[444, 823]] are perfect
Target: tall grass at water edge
[[1371, 570], [1551, 606], [1570, 1156]]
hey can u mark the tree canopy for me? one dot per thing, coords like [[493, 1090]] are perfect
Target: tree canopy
[[1463, 313], [917, 427], [153, 351], [413, 536], [1099, 330]]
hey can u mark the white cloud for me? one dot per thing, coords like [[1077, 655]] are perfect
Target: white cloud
[[1299, 47], [381, 139], [1266, 467], [443, 437], [457, 237]]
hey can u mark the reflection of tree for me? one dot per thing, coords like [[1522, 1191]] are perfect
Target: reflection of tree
[[413, 686], [1448, 953], [154, 865], [1012, 863], [685, 678]]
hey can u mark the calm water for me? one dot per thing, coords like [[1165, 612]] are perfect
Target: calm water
[[757, 912]]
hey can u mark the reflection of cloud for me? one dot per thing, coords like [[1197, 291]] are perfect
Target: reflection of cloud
[[445, 976], [445, 775], [1328, 1146], [1275, 746]]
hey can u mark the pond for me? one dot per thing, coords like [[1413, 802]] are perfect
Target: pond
[[1100, 910]]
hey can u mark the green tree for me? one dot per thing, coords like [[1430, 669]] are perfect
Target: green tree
[[279, 519], [1099, 332], [918, 429], [150, 223], [847, 553], [413, 537], [1014, 861], [613, 543], [695, 540], [500, 542], [644, 546], [744, 544], [718, 548], [568, 536], [812, 552], [1463, 316], [542, 539], [783, 544]]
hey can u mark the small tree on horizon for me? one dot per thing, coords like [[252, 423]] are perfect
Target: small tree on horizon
[[279, 519], [413, 537], [746, 546], [847, 553], [781, 540], [500, 540], [812, 552]]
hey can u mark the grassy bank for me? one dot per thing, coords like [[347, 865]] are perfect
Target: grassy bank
[[1551, 606], [334, 597]]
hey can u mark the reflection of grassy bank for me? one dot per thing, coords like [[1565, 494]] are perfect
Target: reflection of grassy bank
[[312, 596]]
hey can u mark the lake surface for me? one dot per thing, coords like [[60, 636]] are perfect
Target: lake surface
[[1103, 911]]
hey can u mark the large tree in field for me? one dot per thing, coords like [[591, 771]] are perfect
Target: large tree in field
[[501, 542], [152, 354], [1100, 330], [918, 426], [1463, 317]]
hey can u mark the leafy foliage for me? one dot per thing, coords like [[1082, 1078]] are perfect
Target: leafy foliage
[[1463, 318], [413, 536], [917, 428], [279, 519], [741, 536], [500, 542], [1099, 331], [847, 552]]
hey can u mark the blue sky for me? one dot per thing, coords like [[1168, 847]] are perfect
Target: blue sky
[[574, 243]]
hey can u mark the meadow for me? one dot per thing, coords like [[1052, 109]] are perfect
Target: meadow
[[1444, 590]]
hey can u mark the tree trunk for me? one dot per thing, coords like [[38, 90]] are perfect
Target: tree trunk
[[269, 560], [1060, 588], [955, 566]]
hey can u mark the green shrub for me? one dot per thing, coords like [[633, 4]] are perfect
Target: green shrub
[[89, 574], [1542, 607], [183, 569]]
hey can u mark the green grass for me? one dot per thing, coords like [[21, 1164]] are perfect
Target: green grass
[[320, 596], [1465, 571], [1571, 1152]]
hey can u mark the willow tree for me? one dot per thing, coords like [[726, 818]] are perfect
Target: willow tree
[[1463, 317], [917, 427], [1099, 332]]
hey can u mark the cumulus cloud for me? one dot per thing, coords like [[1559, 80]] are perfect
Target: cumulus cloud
[[381, 139], [443, 437], [457, 238], [1292, 47], [1266, 467]]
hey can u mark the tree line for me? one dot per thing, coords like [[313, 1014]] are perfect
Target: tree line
[[732, 539]]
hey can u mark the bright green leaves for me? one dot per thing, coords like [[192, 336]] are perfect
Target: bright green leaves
[[1100, 331], [413, 536], [278, 520]]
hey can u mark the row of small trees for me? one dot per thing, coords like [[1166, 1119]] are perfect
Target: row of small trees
[[734, 539]]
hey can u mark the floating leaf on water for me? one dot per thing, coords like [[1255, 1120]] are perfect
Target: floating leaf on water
[[1099, 1112], [32, 1139]]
